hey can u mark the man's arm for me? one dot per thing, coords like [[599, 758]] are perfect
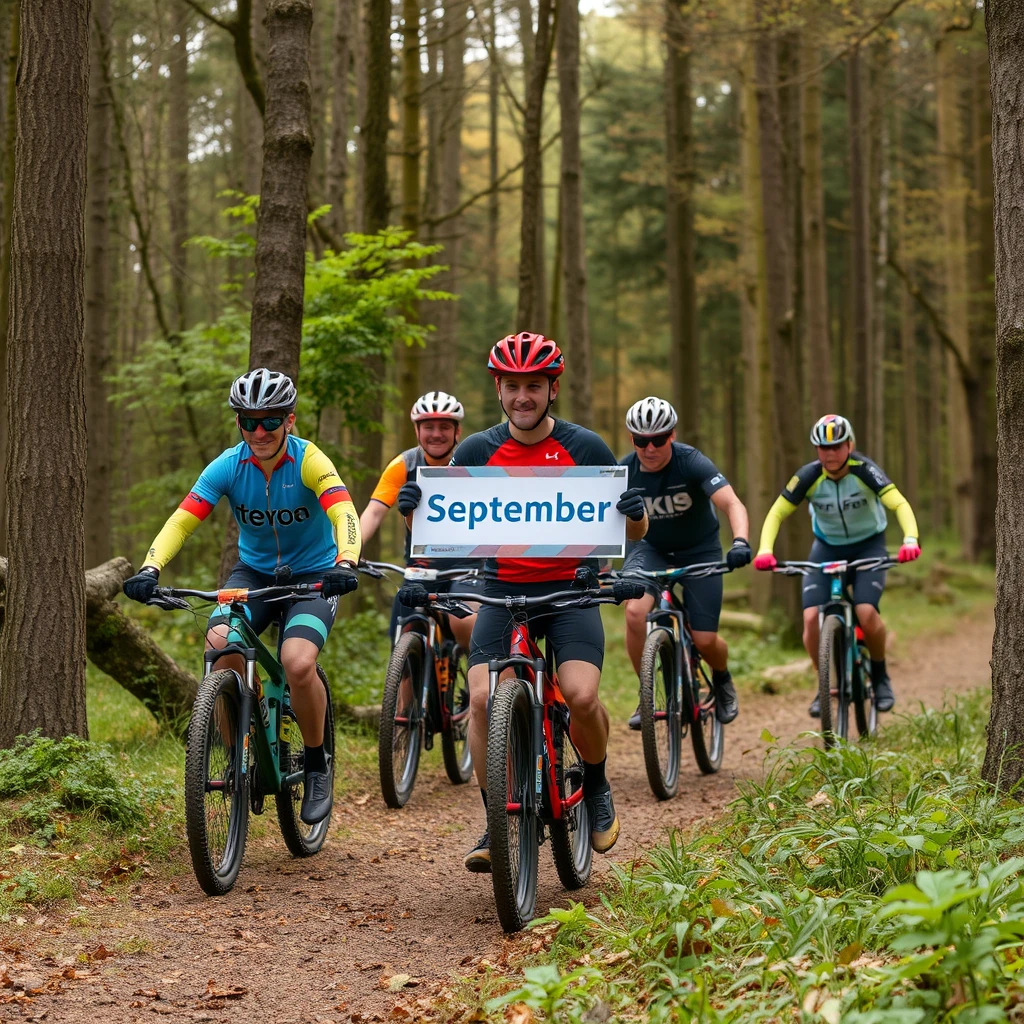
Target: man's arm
[[320, 476], [782, 509], [726, 499], [373, 515]]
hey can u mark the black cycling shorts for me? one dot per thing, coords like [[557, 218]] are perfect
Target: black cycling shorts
[[702, 598], [867, 586], [575, 634], [310, 620]]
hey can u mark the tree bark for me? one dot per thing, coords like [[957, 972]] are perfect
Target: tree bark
[[574, 257], [821, 393], [337, 167], [1004, 23], [6, 220], [530, 311], [97, 345], [177, 159], [493, 199], [880, 179], [954, 222], [864, 401], [373, 131], [684, 343], [281, 228], [42, 655]]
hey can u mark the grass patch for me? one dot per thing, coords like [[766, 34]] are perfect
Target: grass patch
[[873, 883]]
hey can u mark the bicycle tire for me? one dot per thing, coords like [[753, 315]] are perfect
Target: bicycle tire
[[867, 720], [570, 836], [216, 853], [405, 730], [514, 848], [832, 681], [301, 839], [660, 726], [458, 758], [707, 733]]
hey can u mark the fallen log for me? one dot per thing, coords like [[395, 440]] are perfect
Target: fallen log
[[743, 620]]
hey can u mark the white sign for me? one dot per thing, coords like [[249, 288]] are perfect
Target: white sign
[[519, 512]]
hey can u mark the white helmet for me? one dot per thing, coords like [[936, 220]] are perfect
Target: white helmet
[[651, 416], [262, 390], [831, 429], [436, 405]]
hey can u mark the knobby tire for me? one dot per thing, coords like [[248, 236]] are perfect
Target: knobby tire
[[458, 759], [662, 737], [707, 732], [864, 711], [832, 682], [399, 742], [570, 836]]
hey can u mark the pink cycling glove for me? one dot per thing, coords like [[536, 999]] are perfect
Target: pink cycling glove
[[909, 550], [765, 562]]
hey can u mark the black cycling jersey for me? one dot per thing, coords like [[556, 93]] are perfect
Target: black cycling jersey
[[678, 498]]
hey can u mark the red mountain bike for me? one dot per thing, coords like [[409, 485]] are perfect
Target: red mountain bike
[[531, 757]]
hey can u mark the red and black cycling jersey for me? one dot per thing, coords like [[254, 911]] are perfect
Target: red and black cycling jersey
[[566, 445]]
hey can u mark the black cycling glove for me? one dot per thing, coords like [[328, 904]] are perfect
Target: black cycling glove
[[412, 595], [141, 586], [631, 504], [627, 590], [338, 581], [409, 497], [739, 554]]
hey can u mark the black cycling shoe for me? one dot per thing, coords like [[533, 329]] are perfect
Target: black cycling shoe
[[727, 704], [634, 720], [478, 860], [884, 697], [317, 797], [604, 822], [815, 709]]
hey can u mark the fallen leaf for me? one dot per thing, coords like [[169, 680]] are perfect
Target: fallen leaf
[[850, 953], [101, 953], [398, 981], [362, 801], [518, 1013], [831, 1011], [230, 992], [820, 799], [149, 993], [721, 909]]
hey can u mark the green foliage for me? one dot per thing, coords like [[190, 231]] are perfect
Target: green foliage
[[355, 658], [863, 884]]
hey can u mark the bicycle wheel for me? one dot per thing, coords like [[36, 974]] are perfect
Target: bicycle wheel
[[401, 720], [570, 836], [864, 711], [458, 760], [511, 825], [708, 733], [832, 681], [216, 788], [660, 719], [301, 839]]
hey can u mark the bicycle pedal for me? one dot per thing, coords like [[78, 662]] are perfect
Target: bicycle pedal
[[428, 741]]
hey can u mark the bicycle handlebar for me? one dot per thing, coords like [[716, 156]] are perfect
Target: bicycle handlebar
[[623, 590], [376, 570], [835, 567], [696, 571], [173, 598]]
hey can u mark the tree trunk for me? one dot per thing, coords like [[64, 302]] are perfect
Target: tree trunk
[[253, 51], [281, 231], [954, 223], [373, 133], [864, 402], [879, 185], [6, 219], [684, 343], [42, 655], [177, 159], [337, 167], [97, 345], [574, 257], [936, 462], [1004, 22], [530, 311], [493, 199], [821, 393]]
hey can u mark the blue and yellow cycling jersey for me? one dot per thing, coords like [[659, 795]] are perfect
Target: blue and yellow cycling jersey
[[301, 515], [843, 511]]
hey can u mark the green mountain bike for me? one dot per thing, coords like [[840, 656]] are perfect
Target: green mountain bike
[[244, 743]]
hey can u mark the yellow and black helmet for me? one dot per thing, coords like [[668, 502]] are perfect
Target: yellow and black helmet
[[831, 429]]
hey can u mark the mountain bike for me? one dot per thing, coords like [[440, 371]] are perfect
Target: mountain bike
[[244, 742], [531, 757], [844, 663], [676, 695], [426, 692]]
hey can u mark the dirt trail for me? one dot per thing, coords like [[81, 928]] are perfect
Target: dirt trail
[[316, 940]]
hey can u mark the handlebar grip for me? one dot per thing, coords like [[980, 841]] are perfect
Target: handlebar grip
[[626, 590], [413, 595]]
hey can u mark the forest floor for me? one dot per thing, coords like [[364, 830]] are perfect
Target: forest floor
[[386, 914]]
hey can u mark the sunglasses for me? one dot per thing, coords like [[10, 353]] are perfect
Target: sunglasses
[[250, 423], [658, 440]]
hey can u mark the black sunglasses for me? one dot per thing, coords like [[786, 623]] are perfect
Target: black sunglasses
[[658, 440], [250, 423]]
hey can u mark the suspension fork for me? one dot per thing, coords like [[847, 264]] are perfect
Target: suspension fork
[[247, 702]]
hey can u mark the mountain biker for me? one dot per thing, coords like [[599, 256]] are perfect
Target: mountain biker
[[437, 418], [848, 496], [682, 488], [292, 510], [526, 368]]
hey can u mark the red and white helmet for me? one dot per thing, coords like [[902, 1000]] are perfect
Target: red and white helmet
[[436, 405], [526, 353]]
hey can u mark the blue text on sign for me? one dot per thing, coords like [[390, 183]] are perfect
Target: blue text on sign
[[473, 512]]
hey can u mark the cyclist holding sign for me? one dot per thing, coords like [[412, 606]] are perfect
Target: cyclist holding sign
[[526, 368], [682, 489]]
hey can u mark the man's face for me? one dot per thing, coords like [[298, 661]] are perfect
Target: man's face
[[524, 397], [437, 437], [833, 456], [654, 457], [265, 443]]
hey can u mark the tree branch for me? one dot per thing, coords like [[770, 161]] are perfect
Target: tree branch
[[210, 16]]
